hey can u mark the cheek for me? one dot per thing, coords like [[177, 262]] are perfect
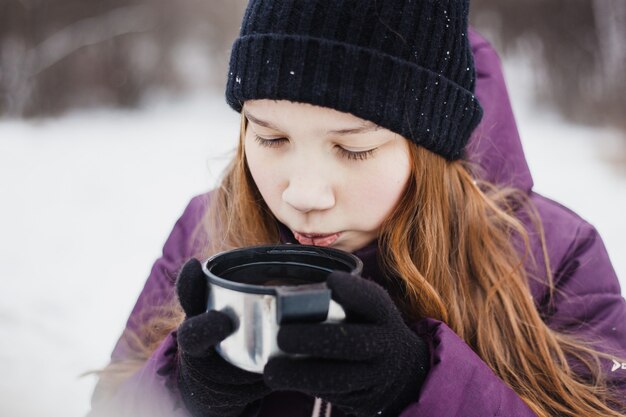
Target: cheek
[[377, 192], [264, 172]]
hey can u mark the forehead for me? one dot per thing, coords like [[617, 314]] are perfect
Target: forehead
[[280, 113]]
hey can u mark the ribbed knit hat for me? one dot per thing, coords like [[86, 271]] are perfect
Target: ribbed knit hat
[[405, 65]]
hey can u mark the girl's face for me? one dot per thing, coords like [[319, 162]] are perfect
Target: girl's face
[[331, 177]]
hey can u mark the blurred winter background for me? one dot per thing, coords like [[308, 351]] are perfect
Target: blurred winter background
[[112, 117]]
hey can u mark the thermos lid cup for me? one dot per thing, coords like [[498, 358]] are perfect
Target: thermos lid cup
[[262, 269]]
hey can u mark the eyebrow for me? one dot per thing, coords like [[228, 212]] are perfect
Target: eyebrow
[[364, 128]]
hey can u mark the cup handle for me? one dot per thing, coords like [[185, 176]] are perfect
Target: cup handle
[[306, 304]]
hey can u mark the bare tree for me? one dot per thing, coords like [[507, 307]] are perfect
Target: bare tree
[[578, 46], [610, 18], [72, 53]]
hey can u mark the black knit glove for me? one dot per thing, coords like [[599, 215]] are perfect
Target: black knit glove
[[209, 386], [370, 365]]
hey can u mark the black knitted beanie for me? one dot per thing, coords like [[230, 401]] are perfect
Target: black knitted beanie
[[405, 65]]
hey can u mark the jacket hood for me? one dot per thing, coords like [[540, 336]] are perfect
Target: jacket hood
[[495, 145]]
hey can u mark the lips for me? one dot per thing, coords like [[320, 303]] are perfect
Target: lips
[[316, 239]]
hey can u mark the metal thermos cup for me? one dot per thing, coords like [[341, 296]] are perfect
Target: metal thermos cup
[[262, 287]]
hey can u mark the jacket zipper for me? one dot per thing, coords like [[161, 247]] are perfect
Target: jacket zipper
[[321, 408]]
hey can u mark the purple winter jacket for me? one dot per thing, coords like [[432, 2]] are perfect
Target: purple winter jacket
[[587, 302]]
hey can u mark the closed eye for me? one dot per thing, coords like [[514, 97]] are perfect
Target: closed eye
[[351, 155], [269, 143], [356, 156]]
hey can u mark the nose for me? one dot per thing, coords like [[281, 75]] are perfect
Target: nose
[[309, 192]]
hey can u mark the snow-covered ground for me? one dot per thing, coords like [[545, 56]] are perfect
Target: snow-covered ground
[[87, 201]]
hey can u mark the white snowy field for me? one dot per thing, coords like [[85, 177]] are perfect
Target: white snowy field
[[88, 200]]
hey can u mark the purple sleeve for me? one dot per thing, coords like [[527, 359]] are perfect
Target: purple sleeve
[[158, 291], [588, 303], [151, 390], [459, 383]]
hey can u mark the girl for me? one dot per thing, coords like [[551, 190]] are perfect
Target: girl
[[478, 296]]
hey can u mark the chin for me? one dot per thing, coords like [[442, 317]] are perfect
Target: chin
[[346, 246]]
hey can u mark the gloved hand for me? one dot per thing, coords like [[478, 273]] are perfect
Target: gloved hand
[[370, 365], [209, 386]]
